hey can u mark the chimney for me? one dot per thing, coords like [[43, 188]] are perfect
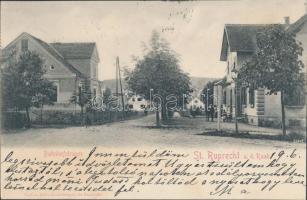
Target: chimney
[[287, 20]]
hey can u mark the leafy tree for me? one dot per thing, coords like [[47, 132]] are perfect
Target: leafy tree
[[23, 83], [82, 97], [45, 97], [275, 65], [108, 99], [159, 71]]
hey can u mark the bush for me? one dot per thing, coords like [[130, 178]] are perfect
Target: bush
[[294, 136], [270, 123], [58, 117], [13, 120]]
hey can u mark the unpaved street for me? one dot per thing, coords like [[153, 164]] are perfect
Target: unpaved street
[[141, 132]]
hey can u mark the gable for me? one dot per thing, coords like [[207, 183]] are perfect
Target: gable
[[224, 50], [48, 53], [95, 55], [240, 38]]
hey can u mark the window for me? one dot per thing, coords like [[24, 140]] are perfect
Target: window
[[224, 97], [234, 65], [295, 97], [79, 93], [54, 96], [293, 122], [52, 67], [140, 99], [24, 45], [243, 96]]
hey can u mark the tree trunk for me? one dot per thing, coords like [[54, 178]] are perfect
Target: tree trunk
[[157, 118], [283, 116], [82, 120], [28, 118], [164, 110]]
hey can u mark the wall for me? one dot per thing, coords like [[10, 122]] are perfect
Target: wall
[[55, 70]]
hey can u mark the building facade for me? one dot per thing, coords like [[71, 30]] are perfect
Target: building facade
[[68, 65], [238, 45]]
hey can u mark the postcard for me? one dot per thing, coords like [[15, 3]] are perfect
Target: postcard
[[153, 99]]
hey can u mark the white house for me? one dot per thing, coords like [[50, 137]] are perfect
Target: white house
[[196, 103], [239, 43], [137, 103]]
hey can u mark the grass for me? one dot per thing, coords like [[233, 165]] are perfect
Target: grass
[[292, 137]]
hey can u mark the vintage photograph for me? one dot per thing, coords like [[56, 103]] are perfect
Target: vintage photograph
[[120, 82]]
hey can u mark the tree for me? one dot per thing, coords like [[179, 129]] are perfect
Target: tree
[[275, 65], [45, 97], [110, 102], [82, 97], [158, 73], [23, 83]]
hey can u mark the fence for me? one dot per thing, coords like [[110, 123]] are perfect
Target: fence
[[56, 117]]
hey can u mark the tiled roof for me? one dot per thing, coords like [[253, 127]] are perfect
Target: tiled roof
[[296, 25], [240, 38], [75, 50], [62, 52], [56, 54]]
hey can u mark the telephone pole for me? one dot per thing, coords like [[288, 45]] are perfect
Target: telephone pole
[[118, 76]]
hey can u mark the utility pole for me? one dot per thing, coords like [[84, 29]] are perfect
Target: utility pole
[[207, 98], [234, 74], [118, 75], [117, 69]]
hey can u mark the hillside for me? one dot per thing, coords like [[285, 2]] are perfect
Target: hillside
[[198, 83]]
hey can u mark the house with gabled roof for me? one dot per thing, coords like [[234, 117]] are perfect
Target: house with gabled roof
[[238, 45], [68, 65]]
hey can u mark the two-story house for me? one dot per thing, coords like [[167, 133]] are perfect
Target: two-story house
[[68, 65], [238, 45]]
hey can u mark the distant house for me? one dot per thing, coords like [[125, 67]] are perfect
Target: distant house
[[68, 65], [196, 103], [137, 103], [238, 45]]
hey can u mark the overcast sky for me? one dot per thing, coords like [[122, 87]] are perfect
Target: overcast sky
[[194, 29]]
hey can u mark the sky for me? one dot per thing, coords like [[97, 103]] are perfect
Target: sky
[[194, 29]]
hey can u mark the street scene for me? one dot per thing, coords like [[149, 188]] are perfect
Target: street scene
[[233, 81], [189, 135], [153, 99]]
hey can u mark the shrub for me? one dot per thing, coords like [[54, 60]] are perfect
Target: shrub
[[13, 120]]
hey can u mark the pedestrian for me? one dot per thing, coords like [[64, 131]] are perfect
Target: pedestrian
[[215, 111]]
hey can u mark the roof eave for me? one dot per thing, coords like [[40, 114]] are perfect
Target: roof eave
[[223, 55]]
